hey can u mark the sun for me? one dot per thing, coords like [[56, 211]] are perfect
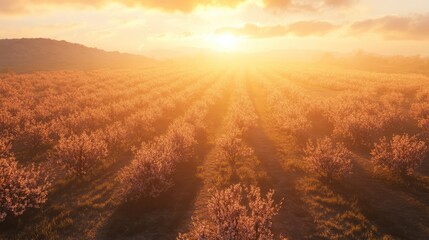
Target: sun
[[225, 42]]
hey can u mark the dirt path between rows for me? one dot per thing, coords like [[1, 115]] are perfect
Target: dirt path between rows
[[293, 220]]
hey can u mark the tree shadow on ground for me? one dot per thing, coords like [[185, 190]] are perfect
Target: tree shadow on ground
[[162, 217], [398, 211]]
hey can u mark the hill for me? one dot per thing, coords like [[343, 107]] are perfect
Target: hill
[[37, 54]]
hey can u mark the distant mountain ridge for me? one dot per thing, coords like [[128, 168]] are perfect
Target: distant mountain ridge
[[38, 54]]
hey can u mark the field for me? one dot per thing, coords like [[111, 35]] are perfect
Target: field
[[140, 154]]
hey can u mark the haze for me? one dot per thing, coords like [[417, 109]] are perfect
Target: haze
[[214, 119], [164, 29]]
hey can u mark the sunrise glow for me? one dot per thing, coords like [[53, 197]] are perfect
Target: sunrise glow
[[225, 42], [383, 27], [214, 119]]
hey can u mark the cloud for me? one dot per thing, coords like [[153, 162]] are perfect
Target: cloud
[[301, 28], [278, 3], [414, 27], [19, 6], [22, 6], [339, 3], [255, 31], [306, 5], [307, 28]]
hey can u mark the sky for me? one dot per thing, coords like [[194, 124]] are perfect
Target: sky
[[163, 27]]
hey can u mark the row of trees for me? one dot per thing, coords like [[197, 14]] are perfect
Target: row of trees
[[401, 155], [44, 106], [362, 118], [238, 213], [360, 115], [290, 109], [359, 111], [232, 212], [21, 187], [150, 172], [420, 111], [80, 153], [235, 160]]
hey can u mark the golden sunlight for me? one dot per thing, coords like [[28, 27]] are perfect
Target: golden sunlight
[[225, 42], [214, 119]]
